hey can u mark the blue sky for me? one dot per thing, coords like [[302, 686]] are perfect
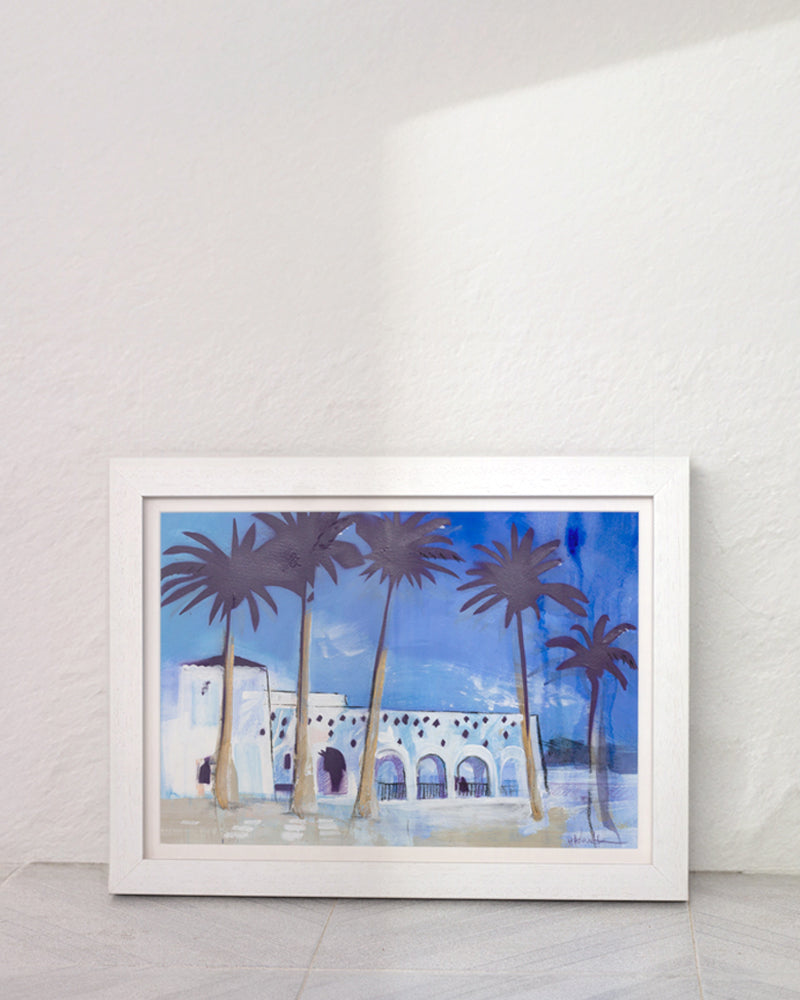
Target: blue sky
[[438, 658]]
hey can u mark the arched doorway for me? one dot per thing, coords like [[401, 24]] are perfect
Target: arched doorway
[[431, 778], [472, 778], [390, 777], [331, 772], [510, 778]]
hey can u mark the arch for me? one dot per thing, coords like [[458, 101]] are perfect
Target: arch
[[511, 777], [390, 776], [484, 755], [513, 769], [472, 778], [331, 772], [431, 777]]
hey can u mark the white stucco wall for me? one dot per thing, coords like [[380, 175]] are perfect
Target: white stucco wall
[[467, 227]]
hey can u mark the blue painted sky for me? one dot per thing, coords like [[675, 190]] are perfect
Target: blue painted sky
[[437, 658]]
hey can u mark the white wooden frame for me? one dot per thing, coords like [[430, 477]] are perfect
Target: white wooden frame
[[665, 481]]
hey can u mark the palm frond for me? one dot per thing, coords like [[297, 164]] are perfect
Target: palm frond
[[216, 606], [408, 549], [597, 657], [538, 554], [261, 591], [172, 582], [301, 544], [566, 595], [226, 579], [181, 568], [580, 629], [202, 596], [346, 554], [326, 563], [623, 656], [613, 669], [248, 541], [192, 550], [488, 604], [514, 576], [477, 598], [272, 521], [176, 595], [613, 634], [600, 628], [565, 642], [254, 616], [570, 663], [437, 553], [206, 542], [436, 568]]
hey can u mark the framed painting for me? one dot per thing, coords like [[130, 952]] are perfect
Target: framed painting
[[430, 677]]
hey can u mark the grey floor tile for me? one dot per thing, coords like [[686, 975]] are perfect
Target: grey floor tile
[[7, 870], [62, 915], [724, 987], [643, 939], [164, 984], [747, 931], [395, 985], [62, 935]]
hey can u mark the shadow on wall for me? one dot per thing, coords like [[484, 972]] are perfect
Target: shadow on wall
[[421, 58]]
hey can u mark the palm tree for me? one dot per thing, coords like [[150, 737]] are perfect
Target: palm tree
[[227, 579], [300, 544], [596, 656], [399, 550], [513, 577]]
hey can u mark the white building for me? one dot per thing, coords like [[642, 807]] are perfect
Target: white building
[[422, 754]]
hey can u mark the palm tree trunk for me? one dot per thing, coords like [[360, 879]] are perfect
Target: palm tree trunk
[[527, 745], [226, 782], [595, 683], [304, 795], [601, 774], [366, 803], [592, 712]]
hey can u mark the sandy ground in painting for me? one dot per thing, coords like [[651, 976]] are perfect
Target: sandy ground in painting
[[449, 822]]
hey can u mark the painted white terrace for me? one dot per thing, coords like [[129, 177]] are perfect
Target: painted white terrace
[[422, 753]]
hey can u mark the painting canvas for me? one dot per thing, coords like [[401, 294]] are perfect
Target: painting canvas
[[400, 678], [405, 677]]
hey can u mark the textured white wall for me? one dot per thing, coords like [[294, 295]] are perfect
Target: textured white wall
[[341, 227]]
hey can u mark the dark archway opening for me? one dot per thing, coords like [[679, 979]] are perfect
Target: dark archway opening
[[332, 772], [390, 777], [472, 778], [431, 778]]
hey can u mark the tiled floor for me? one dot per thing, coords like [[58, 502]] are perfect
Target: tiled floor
[[62, 936]]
